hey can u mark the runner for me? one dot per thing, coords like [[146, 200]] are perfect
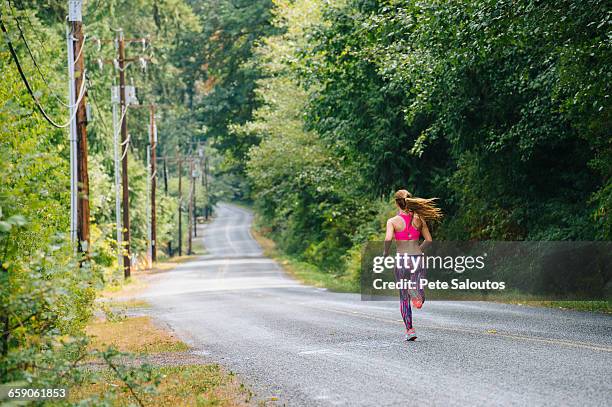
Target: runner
[[407, 228]]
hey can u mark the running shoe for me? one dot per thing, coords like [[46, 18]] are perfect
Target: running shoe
[[417, 302], [411, 335]]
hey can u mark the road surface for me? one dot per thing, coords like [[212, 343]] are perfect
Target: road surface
[[309, 347]]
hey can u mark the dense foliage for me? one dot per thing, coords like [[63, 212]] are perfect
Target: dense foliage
[[499, 108], [43, 295], [223, 80], [46, 294]]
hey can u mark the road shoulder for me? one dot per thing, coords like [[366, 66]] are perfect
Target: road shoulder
[[136, 360]]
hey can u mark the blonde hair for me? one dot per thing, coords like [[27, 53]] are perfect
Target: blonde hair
[[425, 208]]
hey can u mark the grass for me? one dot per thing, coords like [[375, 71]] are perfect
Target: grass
[[181, 382], [179, 385], [170, 262], [189, 385], [311, 275], [137, 334], [129, 303], [124, 288], [197, 246], [201, 385], [590, 306], [302, 271], [518, 298]]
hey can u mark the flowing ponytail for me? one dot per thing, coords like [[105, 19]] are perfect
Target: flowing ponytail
[[425, 208]]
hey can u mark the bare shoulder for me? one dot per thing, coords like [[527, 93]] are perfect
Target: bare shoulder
[[397, 222], [394, 218]]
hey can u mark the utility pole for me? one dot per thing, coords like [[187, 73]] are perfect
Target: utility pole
[[148, 207], [205, 180], [73, 136], [117, 159], [194, 202], [204, 183], [124, 96], [191, 208], [166, 193], [165, 177], [201, 161], [153, 142], [180, 211], [78, 129], [127, 264], [127, 96], [81, 128]]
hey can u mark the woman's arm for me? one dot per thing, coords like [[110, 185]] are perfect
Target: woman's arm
[[388, 237]]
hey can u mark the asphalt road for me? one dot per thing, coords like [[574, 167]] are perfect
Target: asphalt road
[[309, 347]]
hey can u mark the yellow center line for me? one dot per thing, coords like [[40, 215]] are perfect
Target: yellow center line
[[584, 345]]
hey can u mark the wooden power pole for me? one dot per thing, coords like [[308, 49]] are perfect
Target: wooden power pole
[[194, 202], [153, 141], [191, 215], [180, 210], [205, 180], [165, 177], [127, 265], [125, 96], [82, 207]]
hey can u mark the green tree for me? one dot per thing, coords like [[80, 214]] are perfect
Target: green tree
[[224, 79]]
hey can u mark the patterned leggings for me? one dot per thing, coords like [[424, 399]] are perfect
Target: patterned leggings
[[405, 294]]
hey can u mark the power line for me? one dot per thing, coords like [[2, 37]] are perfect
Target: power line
[[80, 49], [27, 45], [29, 88]]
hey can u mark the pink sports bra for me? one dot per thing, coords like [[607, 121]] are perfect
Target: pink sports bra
[[409, 232]]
